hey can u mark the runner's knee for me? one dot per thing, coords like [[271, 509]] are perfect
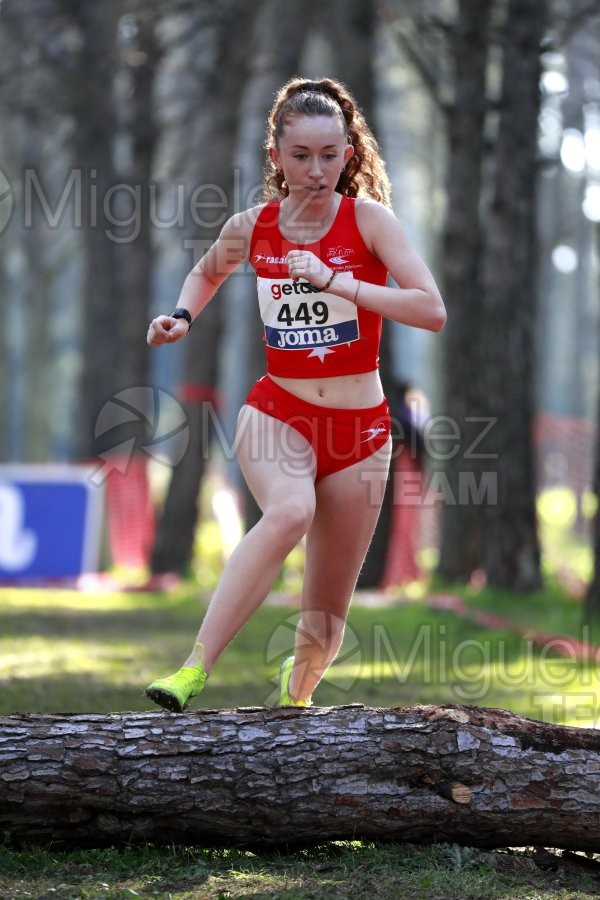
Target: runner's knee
[[289, 519]]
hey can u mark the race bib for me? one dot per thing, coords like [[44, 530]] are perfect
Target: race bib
[[299, 317]]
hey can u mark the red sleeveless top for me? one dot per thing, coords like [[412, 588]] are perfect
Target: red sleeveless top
[[307, 333]]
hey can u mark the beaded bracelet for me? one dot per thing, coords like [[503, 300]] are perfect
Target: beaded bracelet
[[329, 283]]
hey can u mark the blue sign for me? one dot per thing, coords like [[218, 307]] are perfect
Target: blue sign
[[50, 522]]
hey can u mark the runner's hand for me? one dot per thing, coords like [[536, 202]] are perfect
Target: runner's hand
[[166, 330], [304, 264]]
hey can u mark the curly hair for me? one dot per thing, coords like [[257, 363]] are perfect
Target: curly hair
[[364, 174]]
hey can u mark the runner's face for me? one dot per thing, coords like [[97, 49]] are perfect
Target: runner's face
[[312, 152]]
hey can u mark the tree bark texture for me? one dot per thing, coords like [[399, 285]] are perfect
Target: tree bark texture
[[266, 777]]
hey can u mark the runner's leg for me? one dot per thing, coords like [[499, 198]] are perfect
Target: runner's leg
[[348, 505], [278, 465]]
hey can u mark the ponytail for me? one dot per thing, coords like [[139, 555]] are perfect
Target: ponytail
[[364, 174]]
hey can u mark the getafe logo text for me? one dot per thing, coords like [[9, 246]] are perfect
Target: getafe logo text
[[297, 287], [297, 316]]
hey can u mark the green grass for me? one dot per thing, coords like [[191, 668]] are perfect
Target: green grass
[[335, 870], [551, 610], [66, 652]]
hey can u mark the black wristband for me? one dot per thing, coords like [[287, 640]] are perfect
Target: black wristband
[[182, 313]]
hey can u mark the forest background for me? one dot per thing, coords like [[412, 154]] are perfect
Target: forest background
[[129, 131]]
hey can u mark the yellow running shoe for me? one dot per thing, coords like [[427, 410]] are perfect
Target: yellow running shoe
[[175, 691], [284, 683]]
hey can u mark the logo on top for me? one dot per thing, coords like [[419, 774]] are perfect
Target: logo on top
[[339, 256], [270, 260]]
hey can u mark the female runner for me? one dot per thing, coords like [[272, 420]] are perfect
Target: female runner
[[313, 438]]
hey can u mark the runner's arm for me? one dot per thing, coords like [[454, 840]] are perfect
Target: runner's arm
[[416, 300]]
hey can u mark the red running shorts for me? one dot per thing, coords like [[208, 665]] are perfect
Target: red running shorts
[[339, 437]]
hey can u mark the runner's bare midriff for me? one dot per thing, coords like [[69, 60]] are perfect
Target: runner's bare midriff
[[360, 391]]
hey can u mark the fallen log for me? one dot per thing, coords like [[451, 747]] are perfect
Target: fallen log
[[265, 777]]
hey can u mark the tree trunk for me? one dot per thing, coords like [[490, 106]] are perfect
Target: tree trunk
[[38, 357], [92, 106], [140, 58], [511, 554], [482, 777], [348, 27], [373, 568], [461, 278]]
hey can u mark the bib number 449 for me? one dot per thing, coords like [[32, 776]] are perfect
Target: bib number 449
[[316, 315]]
